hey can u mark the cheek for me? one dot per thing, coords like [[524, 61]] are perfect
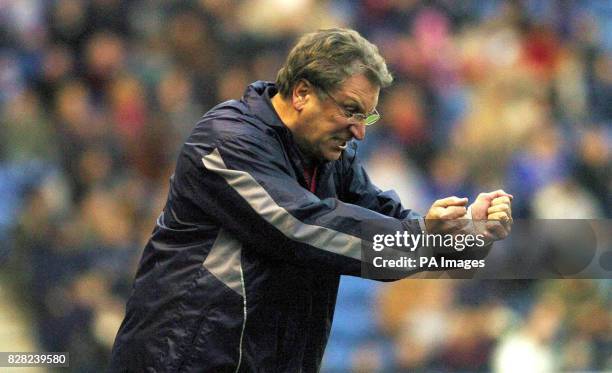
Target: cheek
[[320, 131], [326, 140]]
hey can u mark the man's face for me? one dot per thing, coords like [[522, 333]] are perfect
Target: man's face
[[323, 129]]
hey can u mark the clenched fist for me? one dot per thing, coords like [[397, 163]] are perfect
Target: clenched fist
[[492, 214], [444, 216]]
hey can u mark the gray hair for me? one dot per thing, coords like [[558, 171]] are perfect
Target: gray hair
[[326, 58]]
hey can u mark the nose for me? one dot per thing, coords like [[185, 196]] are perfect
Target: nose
[[358, 130]]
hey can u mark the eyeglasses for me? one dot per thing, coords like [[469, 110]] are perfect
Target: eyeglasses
[[355, 118]]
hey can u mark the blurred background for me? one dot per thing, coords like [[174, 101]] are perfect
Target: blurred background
[[97, 96]]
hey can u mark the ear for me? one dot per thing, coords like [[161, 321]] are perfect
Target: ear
[[301, 94]]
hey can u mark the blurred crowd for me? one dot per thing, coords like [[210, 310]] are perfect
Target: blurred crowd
[[97, 96]]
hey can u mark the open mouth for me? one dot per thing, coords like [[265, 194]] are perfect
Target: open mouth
[[341, 144]]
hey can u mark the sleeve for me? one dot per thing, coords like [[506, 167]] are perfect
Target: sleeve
[[359, 189], [243, 185]]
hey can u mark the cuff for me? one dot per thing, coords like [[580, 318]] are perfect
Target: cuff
[[422, 225]]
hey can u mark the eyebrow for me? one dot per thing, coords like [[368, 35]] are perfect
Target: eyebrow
[[357, 103]]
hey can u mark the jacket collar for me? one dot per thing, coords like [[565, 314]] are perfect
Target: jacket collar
[[258, 97]]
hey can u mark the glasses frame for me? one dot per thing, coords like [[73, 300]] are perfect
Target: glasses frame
[[354, 118]]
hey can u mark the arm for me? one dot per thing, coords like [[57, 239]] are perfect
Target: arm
[[241, 183], [447, 215]]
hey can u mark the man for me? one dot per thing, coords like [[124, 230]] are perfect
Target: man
[[265, 212]]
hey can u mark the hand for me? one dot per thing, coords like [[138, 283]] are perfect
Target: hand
[[492, 214], [444, 216]]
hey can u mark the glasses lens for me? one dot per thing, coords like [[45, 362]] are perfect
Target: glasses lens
[[372, 118]]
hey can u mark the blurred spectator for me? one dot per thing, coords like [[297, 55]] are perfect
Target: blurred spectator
[[529, 348]]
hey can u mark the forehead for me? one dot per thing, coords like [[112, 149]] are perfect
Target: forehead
[[360, 89]]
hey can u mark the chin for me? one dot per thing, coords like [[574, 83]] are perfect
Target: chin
[[331, 156]]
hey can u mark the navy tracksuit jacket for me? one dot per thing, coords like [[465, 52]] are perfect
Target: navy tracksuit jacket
[[242, 269]]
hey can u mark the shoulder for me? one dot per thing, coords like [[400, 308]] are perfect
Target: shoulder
[[251, 115], [226, 120], [230, 128], [229, 122]]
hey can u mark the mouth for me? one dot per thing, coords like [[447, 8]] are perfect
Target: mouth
[[341, 144]]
